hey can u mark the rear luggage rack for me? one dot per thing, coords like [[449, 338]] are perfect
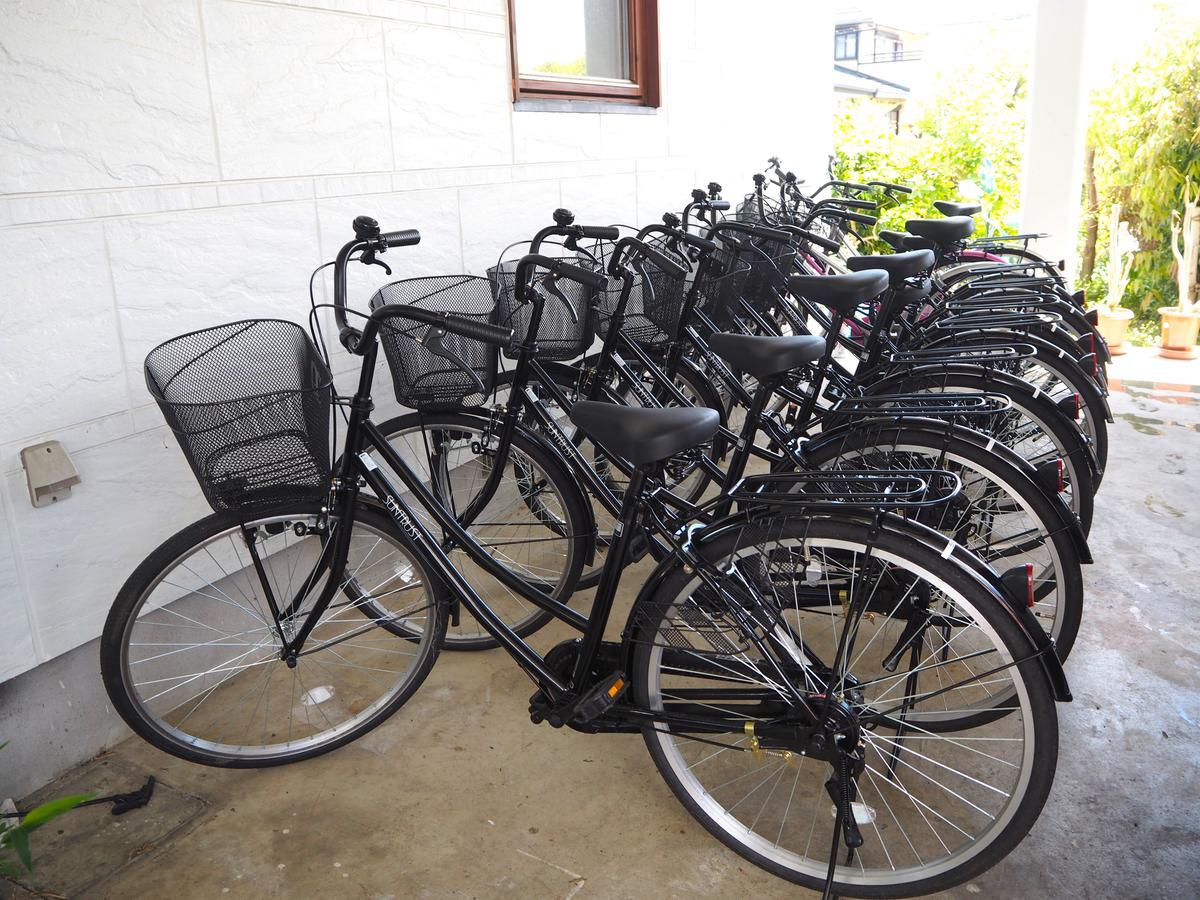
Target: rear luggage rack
[[861, 488], [935, 404], [978, 353]]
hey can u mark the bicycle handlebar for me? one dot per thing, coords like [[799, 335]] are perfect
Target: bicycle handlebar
[[845, 203], [819, 240], [702, 244], [450, 322], [833, 212], [563, 269], [758, 231], [564, 229], [889, 186], [369, 241], [671, 267]]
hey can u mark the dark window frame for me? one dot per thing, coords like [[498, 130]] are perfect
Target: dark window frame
[[643, 66], [845, 33]]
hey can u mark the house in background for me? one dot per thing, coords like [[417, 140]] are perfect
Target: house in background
[[874, 60]]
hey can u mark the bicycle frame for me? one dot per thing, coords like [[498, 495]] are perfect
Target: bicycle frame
[[357, 463]]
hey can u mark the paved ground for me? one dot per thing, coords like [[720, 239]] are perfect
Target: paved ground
[[458, 795]]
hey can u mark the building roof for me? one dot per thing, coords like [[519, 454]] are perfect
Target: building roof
[[851, 81]]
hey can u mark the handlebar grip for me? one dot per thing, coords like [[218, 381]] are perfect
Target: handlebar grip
[[594, 280], [851, 216], [851, 203], [694, 240], [769, 234], [819, 240], [852, 185], [405, 238], [718, 205], [600, 233], [888, 186], [454, 324], [758, 231], [671, 267]]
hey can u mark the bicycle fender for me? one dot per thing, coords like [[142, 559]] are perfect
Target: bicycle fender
[[1024, 618]]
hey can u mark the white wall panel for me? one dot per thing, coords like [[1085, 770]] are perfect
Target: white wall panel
[[296, 91], [60, 360], [17, 652], [452, 104], [99, 93]]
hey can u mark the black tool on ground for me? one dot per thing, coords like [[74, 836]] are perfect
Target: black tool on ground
[[121, 803]]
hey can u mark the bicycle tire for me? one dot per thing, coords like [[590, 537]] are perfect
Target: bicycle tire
[[116, 663], [1037, 723]]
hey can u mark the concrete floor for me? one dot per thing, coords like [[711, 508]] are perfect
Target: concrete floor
[[459, 795]]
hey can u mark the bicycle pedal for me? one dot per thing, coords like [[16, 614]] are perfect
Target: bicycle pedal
[[599, 698]]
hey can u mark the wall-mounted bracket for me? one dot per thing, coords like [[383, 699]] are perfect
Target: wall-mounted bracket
[[49, 473]]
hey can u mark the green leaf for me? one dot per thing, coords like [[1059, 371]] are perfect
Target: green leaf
[[40, 815], [19, 841]]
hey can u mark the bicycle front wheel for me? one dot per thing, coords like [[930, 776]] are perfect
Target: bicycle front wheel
[[191, 653], [934, 808], [535, 523]]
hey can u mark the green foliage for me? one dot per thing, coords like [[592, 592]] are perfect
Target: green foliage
[[972, 130], [1145, 126], [14, 839], [575, 67]]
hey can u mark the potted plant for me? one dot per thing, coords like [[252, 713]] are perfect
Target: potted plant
[[1113, 319], [1180, 324]]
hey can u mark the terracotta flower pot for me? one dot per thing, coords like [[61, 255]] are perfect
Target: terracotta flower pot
[[1179, 330], [1113, 325]]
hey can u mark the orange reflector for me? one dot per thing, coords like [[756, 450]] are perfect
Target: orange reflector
[[620, 683], [1062, 475], [1029, 584]]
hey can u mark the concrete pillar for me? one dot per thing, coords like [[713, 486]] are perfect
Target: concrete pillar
[[1057, 125]]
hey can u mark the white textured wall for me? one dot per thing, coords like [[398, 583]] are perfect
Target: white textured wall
[[171, 164]]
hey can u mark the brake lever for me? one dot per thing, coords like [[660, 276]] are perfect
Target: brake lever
[[432, 341], [367, 258], [551, 285]]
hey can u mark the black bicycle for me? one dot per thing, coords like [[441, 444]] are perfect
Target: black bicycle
[[792, 666]]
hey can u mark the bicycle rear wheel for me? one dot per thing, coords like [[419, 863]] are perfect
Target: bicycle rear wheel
[[191, 653], [935, 809]]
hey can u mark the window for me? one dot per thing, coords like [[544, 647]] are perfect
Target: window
[[845, 44], [585, 50], [893, 117], [888, 47]]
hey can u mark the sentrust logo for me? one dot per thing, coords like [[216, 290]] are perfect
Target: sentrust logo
[[401, 517]]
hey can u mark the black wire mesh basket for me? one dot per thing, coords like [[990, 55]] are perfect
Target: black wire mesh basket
[[770, 264], [424, 380], [566, 328], [249, 404], [655, 303], [750, 209], [722, 284]]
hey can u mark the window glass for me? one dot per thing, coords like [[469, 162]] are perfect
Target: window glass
[[845, 45], [568, 39]]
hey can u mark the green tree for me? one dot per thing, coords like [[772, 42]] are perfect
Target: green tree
[[971, 130], [1145, 131]]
